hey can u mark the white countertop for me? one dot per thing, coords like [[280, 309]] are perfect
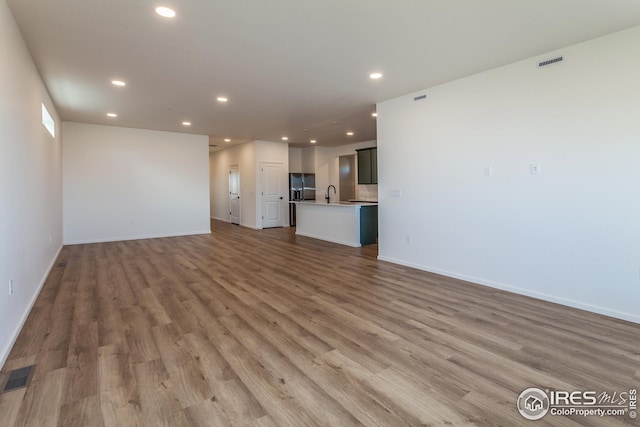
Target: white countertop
[[334, 204]]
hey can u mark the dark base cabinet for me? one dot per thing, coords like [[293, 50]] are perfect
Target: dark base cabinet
[[368, 225], [292, 214]]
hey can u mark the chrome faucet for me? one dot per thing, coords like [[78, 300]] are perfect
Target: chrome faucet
[[328, 195]]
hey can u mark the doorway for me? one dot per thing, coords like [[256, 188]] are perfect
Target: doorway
[[234, 194], [347, 170]]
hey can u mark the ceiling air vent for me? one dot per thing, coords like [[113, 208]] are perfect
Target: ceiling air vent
[[420, 97], [550, 61]]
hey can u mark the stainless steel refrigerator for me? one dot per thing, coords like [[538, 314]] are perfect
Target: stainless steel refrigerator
[[302, 186]]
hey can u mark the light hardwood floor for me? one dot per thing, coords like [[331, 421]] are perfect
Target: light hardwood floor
[[263, 328]]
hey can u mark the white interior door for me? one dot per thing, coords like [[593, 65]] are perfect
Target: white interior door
[[272, 195], [234, 194]]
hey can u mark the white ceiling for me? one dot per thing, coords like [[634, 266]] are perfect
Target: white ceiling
[[288, 67]]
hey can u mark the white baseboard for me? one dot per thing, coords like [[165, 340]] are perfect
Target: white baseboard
[[533, 294], [25, 315]]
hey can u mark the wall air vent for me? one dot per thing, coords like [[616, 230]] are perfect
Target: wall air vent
[[420, 97], [550, 61]]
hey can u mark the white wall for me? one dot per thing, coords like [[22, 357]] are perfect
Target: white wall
[[308, 159], [244, 156], [30, 183], [569, 234], [295, 160], [272, 152], [122, 183]]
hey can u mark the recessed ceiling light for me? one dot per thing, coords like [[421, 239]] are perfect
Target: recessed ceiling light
[[375, 75], [227, 140], [285, 138], [165, 11], [374, 114], [112, 115], [186, 123], [118, 83], [313, 141], [349, 133], [335, 123], [222, 99]]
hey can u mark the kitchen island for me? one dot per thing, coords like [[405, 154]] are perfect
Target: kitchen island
[[347, 223]]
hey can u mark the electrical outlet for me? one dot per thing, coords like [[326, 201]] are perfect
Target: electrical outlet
[[10, 286], [408, 238], [535, 168], [488, 170]]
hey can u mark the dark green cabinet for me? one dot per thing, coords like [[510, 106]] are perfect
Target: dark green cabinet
[[368, 225], [374, 165], [368, 166]]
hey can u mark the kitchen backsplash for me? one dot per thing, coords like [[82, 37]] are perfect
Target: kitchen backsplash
[[368, 192]]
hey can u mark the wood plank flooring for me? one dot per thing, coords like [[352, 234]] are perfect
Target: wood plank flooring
[[264, 328]]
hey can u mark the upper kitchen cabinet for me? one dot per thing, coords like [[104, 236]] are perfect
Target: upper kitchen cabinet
[[368, 165], [374, 165]]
